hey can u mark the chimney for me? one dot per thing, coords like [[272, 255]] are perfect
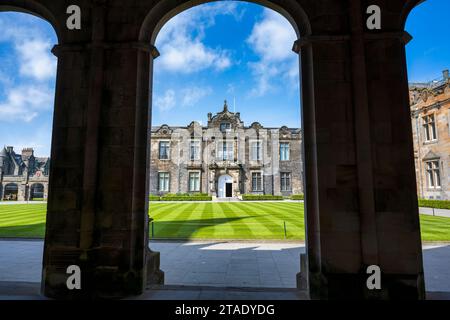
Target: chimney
[[209, 116], [27, 153], [9, 149], [445, 73]]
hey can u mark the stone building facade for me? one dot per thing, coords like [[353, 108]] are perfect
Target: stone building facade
[[23, 176], [430, 111], [226, 159]]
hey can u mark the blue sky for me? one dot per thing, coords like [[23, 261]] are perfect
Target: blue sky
[[225, 50]]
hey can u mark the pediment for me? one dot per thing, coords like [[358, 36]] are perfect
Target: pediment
[[431, 156], [164, 130]]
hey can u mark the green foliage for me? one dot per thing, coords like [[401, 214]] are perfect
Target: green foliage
[[186, 197], [257, 197], [437, 204], [152, 197], [298, 197], [38, 199]]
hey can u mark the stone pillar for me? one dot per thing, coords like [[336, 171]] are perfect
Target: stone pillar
[[361, 195], [65, 195]]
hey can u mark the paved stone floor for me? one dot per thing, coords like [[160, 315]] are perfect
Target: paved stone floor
[[230, 264], [220, 264]]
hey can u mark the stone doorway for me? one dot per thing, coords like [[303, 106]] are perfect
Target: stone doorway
[[225, 186], [229, 190], [11, 192]]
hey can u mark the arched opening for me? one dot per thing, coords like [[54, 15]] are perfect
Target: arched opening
[[429, 92], [27, 94], [11, 192], [37, 191], [225, 186], [224, 177]]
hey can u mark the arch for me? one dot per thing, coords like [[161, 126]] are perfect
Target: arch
[[37, 191], [35, 9], [221, 186], [11, 192], [156, 18], [165, 10], [409, 6]]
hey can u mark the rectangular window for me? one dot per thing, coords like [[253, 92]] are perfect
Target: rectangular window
[[429, 125], [164, 179], [433, 174], [225, 151], [225, 126], [194, 181], [195, 150], [257, 181], [285, 181], [284, 151], [164, 150], [256, 151]]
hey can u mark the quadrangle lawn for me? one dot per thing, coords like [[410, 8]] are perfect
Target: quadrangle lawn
[[234, 220]]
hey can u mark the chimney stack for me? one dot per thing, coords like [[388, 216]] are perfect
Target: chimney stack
[[445, 73], [10, 149], [27, 153], [209, 116]]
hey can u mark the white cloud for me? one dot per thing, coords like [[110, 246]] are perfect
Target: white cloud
[[26, 84], [33, 50], [36, 60], [272, 39], [192, 96], [181, 41], [25, 103], [189, 97], [166, 102]]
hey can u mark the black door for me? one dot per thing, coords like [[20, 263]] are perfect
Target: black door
[[229, 190]]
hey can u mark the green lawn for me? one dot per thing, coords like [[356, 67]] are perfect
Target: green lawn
[[236, 220], [255, 220]]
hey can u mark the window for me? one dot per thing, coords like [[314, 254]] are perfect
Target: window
[[256, 181], [429, 125], [164, 178], [195, 150], [164, 150], [225, 151], [284, 151], [285, 181], [433, 174], [225, 126], [256, 151], [194, 181]]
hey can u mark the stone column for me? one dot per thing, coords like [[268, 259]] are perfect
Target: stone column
[[360, 189], [65, 195]]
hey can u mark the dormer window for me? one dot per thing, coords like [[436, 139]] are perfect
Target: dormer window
[[225, 126]]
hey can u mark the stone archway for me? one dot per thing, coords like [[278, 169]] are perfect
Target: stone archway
[[223, 185], [37, 191], [361, 200], [11, 192]]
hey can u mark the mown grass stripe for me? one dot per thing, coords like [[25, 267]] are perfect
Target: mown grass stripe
[[166, 227], [263, 223]]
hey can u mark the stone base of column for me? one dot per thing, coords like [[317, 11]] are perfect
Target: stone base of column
[[302, 276], [354, 287], [101, 276], [155, 276]]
